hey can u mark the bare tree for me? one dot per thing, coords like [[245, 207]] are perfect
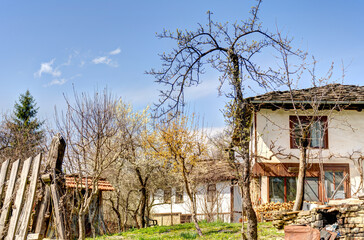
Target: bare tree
[[138, 173], [90, 128], [231, 49]]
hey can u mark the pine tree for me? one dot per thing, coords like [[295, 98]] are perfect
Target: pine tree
[[21, 135], [25, 113]]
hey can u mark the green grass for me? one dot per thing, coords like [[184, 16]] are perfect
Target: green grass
[[214, 230]]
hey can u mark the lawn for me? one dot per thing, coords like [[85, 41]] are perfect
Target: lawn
[[214, 230]]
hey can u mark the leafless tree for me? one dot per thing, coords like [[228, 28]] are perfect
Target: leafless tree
[[138, 173], [233, 50], [90, 128]]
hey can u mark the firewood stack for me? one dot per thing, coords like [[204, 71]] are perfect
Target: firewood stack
[[266, 212]]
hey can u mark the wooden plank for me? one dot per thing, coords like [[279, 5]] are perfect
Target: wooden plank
[[33, 236], [8, 197], [44, 205], [3, 173], [61, 233], [28, 206], [14, 220]]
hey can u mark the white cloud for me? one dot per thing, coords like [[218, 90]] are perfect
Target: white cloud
[[47, 68], [115, 52], [61, 81], [104, 60], [57, 82]]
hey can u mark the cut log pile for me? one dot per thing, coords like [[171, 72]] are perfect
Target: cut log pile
[[266, 212]]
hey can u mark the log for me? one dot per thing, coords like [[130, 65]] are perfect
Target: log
[[56, 154]]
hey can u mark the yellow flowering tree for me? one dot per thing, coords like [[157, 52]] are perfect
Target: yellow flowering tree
[[181, 145]]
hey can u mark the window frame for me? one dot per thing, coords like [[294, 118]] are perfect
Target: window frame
[[179, 195], [211, 193], [167, 195], [294, 119], [284, 187]]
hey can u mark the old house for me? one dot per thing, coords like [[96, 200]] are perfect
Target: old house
[[335, 146], [217, 197], [334, 156]]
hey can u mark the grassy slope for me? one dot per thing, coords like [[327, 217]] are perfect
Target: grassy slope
[[215, 230]]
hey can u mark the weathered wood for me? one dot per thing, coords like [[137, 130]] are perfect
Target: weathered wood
[[3, 173], [56, 153], [57, 212], [33, 236], [14, 220], [44, 205], [46, 178], [28, 206], [8, 197], [54, 166]]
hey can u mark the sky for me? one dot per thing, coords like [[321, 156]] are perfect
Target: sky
[[53, 47]]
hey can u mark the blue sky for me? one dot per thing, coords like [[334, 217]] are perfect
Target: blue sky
[[50, 46]]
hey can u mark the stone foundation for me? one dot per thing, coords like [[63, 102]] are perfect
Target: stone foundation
[[349, 219]]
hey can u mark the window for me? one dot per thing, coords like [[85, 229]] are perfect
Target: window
[[179, 195], [211, 192], [332, 181], [316, 131], [167, 195], [311, 189], [282, 189]]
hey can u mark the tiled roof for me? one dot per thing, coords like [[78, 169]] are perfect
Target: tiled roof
[[331, 92], [103, 184]]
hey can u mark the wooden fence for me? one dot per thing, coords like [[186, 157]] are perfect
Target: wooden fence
[[30, 196]]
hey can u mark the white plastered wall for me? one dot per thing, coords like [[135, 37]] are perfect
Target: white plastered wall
[[345, 138], [224, 202]]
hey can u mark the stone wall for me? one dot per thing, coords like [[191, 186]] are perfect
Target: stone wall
[[349, 219]]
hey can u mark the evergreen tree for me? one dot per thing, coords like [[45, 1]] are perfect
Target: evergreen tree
[[21, 135], [25, 113]]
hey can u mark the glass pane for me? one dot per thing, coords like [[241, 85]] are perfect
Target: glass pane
[[311, 189], [329, 183], [340, 194], [167, 195], [276, 189], [317, 134], [297, 134], [291, 188]]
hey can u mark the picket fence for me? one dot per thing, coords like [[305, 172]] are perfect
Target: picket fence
[[21, 216]]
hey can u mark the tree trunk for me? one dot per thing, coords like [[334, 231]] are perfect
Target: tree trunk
[[143, 206], [171, 212], [192, 199], [143, 199], [241, 114], [194, 216], [81, 225], [301, 179], [252, 232]]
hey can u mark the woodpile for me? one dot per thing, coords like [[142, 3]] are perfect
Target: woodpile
[[266, 212]]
